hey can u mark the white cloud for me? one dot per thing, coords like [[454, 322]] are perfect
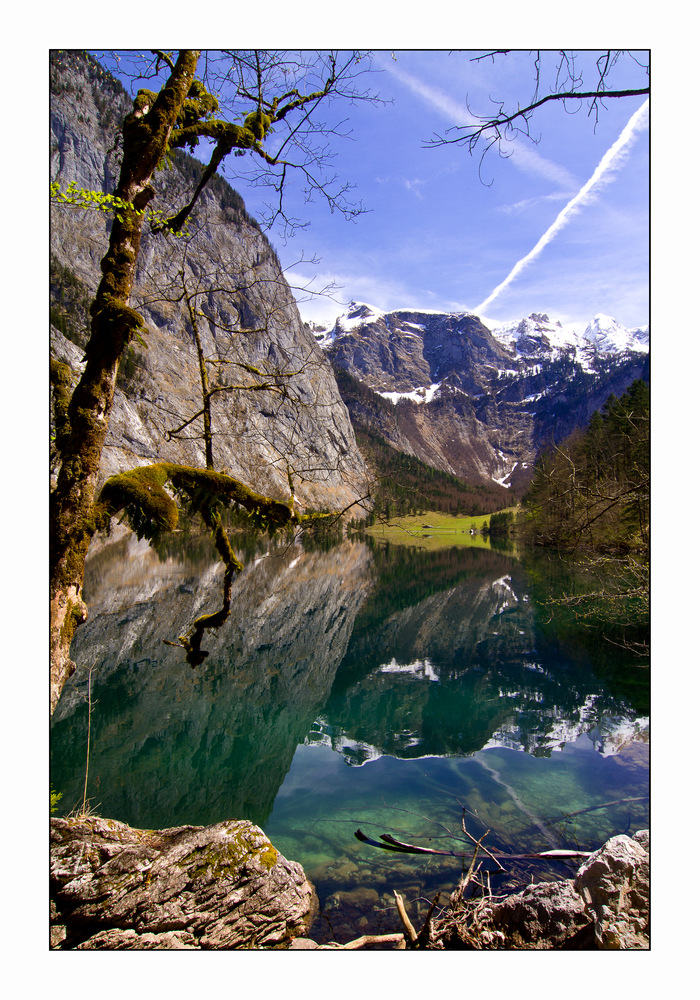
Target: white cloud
[[414, 186], [519, 206]]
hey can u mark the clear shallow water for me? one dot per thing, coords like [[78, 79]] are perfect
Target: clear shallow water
[[379, 690]]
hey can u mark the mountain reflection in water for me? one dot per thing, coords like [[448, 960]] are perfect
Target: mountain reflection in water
[[434, 670]]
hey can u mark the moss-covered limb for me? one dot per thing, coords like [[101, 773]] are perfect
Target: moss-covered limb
[[229, 490], [223, 545], [148, 128], [152, 510], [228, 137], [196, 123]]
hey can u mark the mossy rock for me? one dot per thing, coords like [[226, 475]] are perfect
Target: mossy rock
[[225, 885]]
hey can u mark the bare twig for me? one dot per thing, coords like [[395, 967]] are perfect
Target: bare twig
[[425, 935], [479, 843]]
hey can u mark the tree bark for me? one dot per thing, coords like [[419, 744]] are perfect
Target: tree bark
[[146, 134]]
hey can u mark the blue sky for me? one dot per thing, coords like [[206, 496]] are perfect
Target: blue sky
[[438, 237], [443, 234]]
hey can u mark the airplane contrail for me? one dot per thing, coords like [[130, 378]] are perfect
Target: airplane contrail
[[610, 161]]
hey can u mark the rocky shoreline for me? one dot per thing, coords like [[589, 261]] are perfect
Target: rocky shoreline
[[225, 886]]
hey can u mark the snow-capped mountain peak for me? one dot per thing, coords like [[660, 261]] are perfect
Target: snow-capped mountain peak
[[526, 337], [537, 334], [356, 315], [608, 336], [476, 402]]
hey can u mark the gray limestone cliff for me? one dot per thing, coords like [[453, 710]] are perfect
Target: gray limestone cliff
[[249, 318]]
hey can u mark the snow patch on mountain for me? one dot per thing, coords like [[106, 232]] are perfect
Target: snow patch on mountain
[[421, 394], [357, 314], [608, 336]]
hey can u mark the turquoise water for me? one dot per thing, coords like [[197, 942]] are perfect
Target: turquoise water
[[381, 690]]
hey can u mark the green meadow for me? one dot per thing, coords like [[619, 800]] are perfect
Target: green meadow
[[434, 530]]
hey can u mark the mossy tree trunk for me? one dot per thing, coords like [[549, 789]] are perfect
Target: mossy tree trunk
[[146, 132]]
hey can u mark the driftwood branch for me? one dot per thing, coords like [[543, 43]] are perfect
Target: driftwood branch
[[408, 926], [367, 939], [479, 842]]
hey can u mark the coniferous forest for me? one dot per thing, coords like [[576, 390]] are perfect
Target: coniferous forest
[[591, 492]]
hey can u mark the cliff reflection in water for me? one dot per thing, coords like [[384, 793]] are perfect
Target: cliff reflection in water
[[173, 745], [392, 652]]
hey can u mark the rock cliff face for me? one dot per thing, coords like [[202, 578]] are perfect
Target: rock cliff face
[[250, 318], [474, 402]]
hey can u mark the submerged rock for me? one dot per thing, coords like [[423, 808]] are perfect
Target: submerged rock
[[215, 887]]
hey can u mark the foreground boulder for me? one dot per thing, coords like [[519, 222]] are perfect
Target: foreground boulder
[[614, 883], [220, 886], [605, 906]]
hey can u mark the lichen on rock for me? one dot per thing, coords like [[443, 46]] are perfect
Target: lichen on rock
[[216, 887]]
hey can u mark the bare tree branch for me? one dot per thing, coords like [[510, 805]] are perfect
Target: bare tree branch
[[500, 127]]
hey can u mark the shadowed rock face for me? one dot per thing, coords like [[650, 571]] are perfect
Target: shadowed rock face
[[256, 433], [216, 887]]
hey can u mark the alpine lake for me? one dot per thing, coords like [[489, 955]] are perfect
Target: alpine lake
[[357, 686]]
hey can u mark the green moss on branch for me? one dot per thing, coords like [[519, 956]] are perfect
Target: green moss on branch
[[151, 510]]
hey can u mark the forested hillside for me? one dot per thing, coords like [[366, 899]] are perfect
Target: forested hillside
[[591, 492], [402, 483], [477, 404], [405, 485]]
